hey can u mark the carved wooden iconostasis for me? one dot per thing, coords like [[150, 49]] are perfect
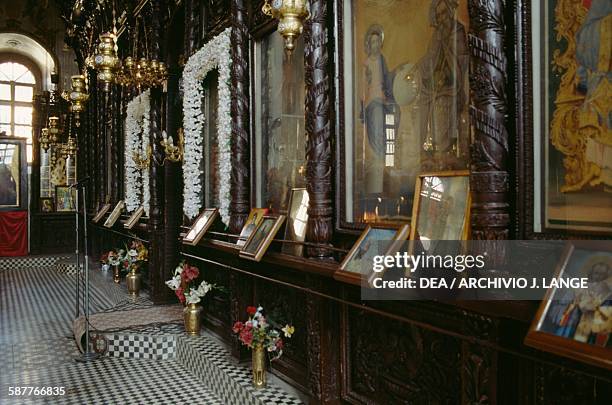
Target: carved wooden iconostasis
[[376, 93]]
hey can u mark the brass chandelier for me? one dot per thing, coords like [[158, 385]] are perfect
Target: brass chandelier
[[291, 15]]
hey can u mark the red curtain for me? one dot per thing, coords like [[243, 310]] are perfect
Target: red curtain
[[14, 233]]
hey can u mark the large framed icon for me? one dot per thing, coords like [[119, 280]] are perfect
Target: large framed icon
[[13, 174]]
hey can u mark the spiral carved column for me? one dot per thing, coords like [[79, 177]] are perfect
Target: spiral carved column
[[489, 180], [240, 180], [318, 130]]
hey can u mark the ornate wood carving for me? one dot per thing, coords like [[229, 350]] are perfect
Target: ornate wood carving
[[489, 178], [240, 176], [478, 375], [241, 296], [390, 362], [218, 17], [158, 290], [113, 140], [318, 130], [560, 386], [286, 306], [323, 348]]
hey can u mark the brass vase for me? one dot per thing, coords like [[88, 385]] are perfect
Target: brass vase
[[133, 282], [116, 274], [259, 367], [191, 314]]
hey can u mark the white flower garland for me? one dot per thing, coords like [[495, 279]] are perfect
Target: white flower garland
[[137, 140], [215, 54]]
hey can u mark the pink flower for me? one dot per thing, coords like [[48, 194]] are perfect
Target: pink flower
[[190, 273], [237, 327], [180, 294], [246, 336], [279, 344]]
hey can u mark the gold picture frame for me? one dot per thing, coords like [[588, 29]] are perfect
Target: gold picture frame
[[447, 204], [115, 214], [565, 315], [65, 198], [257, 244], [255, 217], [200, 226], [297, 221], [350, 269], [134, 218], [101, 213]]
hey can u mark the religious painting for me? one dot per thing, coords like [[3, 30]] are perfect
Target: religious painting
[[577, 322], [115, 214], [441, 208], [280, 132], [101, 213], [134, 218], [46, 204], [10, 174], [255, 217], [297, 219], [572, 42], [200, 226], [259, 241], [65, 198], [374, 240], [406, 96]]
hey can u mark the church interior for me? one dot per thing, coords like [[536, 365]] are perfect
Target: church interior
[[306, 202]]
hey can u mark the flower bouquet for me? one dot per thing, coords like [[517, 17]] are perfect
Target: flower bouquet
[[113, 258], [184, 285], [259, 334], [136, 254]]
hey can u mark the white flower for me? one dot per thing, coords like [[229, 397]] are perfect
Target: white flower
[[215, 54], [133, 253], [178, 270], [193, 297], [174, 283], [137, 140], [204, 288], [288, 330]]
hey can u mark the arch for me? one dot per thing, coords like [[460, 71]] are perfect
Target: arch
[[23, 48]]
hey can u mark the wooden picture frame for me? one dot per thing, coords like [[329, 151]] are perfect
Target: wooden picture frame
[[115, 214], [255, 217], [532, 87], [464, 207], [46, 204], [65, 198], [378, 157], [101, 213], [559, 313], [134, 218], [297, 221], [200, 226], [257, 244], [347, 270], [13, 174]]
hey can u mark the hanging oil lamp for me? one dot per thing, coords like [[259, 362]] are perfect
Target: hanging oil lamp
[[106, 60], [290, 15]]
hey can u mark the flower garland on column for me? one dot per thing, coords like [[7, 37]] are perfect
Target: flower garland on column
[[137, 140], [215, 54]]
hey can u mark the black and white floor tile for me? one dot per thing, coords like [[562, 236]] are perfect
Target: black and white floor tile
[[148, 365]]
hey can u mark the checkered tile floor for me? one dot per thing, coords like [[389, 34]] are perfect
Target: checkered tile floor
[[36, 314]]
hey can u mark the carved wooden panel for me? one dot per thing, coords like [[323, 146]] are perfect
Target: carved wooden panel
[[286, 306], [389, 362]]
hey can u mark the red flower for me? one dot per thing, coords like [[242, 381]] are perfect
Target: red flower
[[237, 327], [279, 344], [190, 273], [251, 310], [246, 336], [180, 294]]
